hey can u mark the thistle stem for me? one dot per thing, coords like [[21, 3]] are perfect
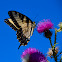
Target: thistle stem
[[60, 60], [54, 55], [50, 41], [59, 53], [55, 35]]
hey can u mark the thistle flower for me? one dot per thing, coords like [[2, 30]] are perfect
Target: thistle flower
[[50, 53], [45, 25], [33, 55]]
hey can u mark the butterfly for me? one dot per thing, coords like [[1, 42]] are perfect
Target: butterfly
[[22, 25]]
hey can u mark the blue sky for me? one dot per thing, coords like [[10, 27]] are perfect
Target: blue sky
[[41, 9]]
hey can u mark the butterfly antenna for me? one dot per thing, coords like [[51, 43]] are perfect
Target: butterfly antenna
[[19, 46], [35, 18]]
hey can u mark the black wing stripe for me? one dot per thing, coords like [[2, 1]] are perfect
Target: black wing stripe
[[10, 24], [11, 14], [19, 33], [27, 21], [21, 16], [31, 30]]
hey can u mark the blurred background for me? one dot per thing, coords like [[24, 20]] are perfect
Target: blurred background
[[41, 9]]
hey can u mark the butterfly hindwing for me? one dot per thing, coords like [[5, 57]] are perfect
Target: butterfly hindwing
[[22, 24]]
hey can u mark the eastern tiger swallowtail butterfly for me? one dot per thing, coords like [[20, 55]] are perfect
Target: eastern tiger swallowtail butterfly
[[22, 24]]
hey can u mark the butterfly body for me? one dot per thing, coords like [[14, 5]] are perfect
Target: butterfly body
[[22, 24]]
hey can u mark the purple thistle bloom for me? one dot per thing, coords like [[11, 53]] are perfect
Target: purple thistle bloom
[[44, 25], [29, 51], [33, 55], [37, 57]]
